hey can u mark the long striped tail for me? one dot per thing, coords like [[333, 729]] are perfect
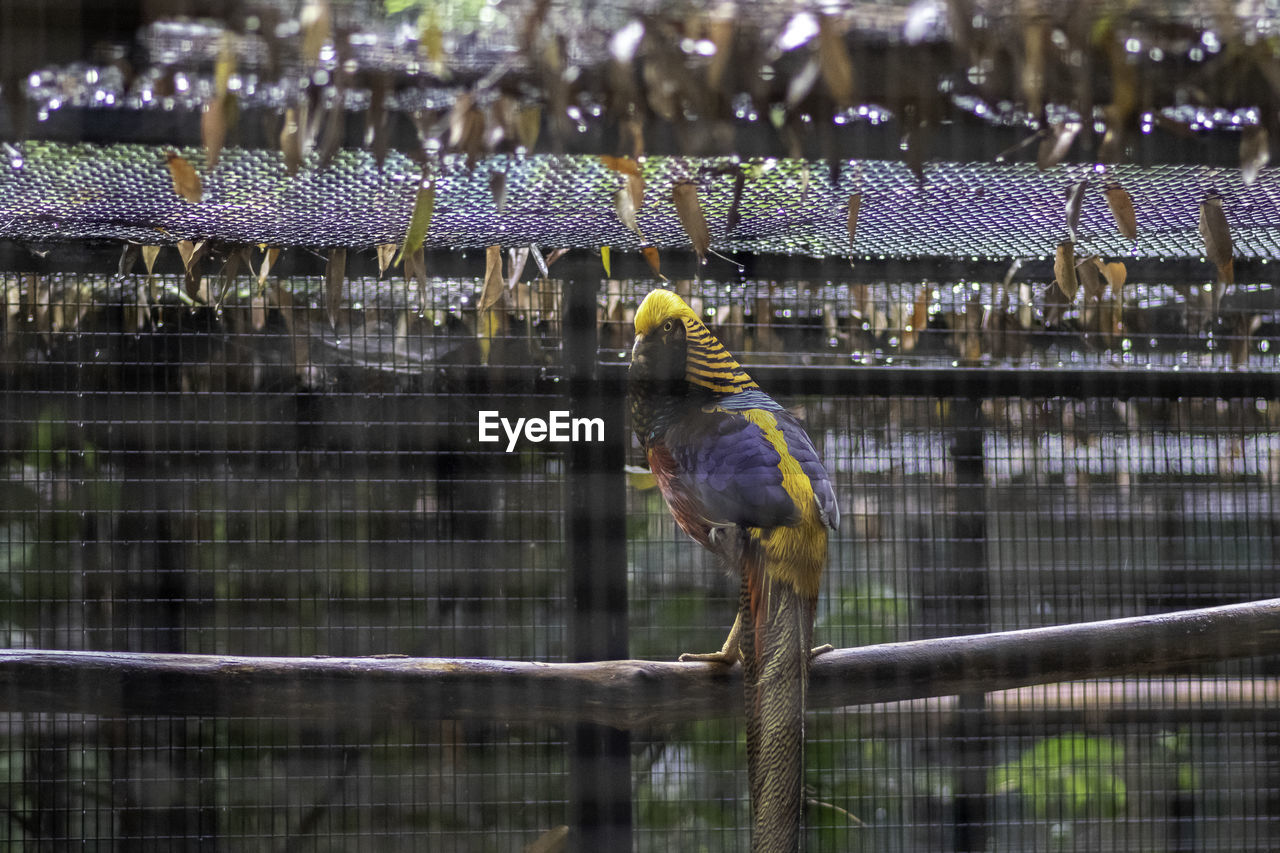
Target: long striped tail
[[777, 629]]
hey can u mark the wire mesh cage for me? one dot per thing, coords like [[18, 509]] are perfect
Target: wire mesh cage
[[280, 281]]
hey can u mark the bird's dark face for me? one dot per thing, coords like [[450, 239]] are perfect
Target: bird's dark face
[[658, 357]]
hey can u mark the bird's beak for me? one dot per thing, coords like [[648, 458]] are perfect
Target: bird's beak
[[636, 355]]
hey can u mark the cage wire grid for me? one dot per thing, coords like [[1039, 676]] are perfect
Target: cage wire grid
[[202, 483]]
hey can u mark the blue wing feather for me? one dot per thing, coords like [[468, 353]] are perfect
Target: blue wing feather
[[728, 465]]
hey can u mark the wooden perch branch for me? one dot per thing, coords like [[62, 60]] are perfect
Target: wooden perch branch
[[624, 694]]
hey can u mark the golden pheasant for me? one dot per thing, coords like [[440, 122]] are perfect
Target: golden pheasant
[[743, 479]]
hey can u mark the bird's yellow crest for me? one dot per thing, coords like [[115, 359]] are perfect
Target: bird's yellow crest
[[707, 363]]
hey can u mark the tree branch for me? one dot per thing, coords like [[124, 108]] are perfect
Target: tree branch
[[624, 694]]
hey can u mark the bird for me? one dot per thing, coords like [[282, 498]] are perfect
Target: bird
[[742, 478]]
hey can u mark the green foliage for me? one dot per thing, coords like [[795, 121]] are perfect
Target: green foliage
[[865, 616], [1066, 777]]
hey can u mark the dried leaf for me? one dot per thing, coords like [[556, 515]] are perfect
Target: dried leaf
[[386, 253], [685, 196], [556, 254], [1056, 143], [640, 479], [605, 261], [1122, 211], [1075, 202], [518, 258], [635, 188], [626, 210], [335, 274], [855, 204], [213, 127], [498, 189], [149, 254], [190, 252], [1255, 152], [317, 29], [1064, 270], [420, 221], [258, 311], [1115, 273], [129, 254], [528, 123], [1035, 37], [734, 217], [623, 165], [415, 265], [186, 182], [539, 260], [268, 261], [918, 320], [466, 127], [1217, 238], [651, 255], [494, 284], [834, 61], [291, 141], [1089, 280]]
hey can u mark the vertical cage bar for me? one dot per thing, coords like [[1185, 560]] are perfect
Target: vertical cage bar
[[969, 597], [599, 757]]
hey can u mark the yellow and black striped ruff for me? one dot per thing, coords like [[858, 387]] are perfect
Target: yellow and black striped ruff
[[707, 363]]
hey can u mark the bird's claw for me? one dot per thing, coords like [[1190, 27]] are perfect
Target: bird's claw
[[724, 656]]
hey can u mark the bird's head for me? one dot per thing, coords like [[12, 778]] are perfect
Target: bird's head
[[673, 347]]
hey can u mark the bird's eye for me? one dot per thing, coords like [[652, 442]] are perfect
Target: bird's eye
[[666, 327]]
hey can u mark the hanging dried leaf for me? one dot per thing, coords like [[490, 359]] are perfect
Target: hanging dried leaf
[[855, 204], [1122, 211], [494, 284], [623, 165], [1035, 43], [129, 254], [626, 211], [651, 255], [386, 253], [1056, 142], [415, 266], [190, 252], [268, 261], [632, 129], [539, 260], [556, 254], [376, 137], [317, 29], [834, 61], [1064, 270], [186, 182], [258, 311], [214, 121], [1217, 238], [918, 320], [720, 33], [605, 261], [498, 189], [149, 254], [640, 479], [291, 141], [492, 324], [1115, 273], [420, 221], [1255, 152], [1075, 202], [335, 275], [466, 128], [1088, 279], [685, 196], [734, 217], [528, 123], [518, 259]]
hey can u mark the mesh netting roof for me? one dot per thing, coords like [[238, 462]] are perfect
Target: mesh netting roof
[[52, 191]]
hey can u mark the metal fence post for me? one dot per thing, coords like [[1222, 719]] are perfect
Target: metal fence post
[[599, 757]]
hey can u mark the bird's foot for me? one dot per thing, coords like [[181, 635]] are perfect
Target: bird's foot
[[820, 650], [725, 656]]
